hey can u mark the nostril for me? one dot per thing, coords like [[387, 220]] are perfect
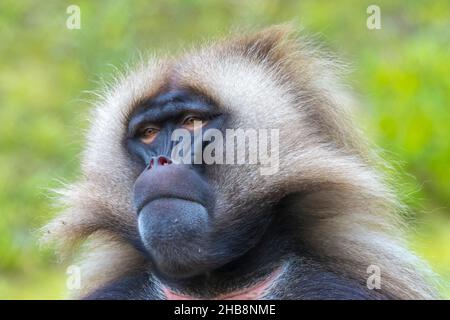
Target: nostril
[[163, 161]]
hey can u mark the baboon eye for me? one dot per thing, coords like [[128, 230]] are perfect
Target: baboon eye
[[148, 134], [189, 122]]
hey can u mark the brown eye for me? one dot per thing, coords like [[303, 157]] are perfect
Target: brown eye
[[189, 122], [148, 135]]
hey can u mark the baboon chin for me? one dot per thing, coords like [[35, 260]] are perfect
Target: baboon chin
[[158, 221]]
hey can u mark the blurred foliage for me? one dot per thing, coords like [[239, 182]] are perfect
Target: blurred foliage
[[401, 72]]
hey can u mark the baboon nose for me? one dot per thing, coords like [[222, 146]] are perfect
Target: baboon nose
[[158, 161]]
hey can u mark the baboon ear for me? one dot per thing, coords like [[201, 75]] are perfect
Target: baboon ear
[[270, 45]]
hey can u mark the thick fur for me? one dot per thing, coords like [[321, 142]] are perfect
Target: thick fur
[[346, 213]]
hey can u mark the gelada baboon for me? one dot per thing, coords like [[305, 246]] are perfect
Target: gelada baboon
[[321, 227]]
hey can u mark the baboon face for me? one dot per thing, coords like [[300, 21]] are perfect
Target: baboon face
[[175, 203]]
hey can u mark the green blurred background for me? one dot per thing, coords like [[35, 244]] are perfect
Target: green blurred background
[[401, 72]]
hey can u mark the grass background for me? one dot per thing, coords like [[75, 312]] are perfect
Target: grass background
[[401, 72]]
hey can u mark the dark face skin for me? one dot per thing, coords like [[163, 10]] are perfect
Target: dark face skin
[[175, 203]]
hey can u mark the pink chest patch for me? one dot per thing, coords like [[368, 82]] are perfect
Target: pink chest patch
[[251, 293]]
